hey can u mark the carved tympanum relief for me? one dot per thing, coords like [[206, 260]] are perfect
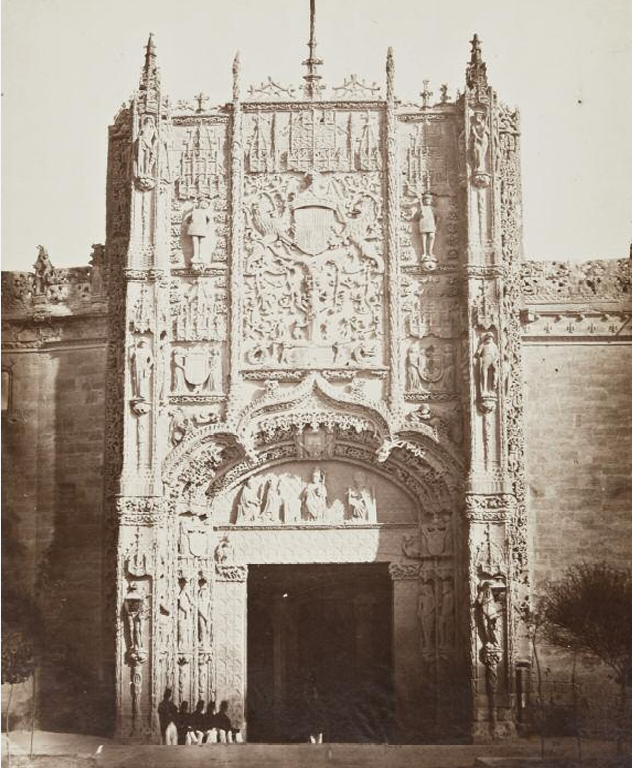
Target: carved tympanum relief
[[287, 498], [314, 493]]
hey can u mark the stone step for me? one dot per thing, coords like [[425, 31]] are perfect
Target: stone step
[[286, 756]]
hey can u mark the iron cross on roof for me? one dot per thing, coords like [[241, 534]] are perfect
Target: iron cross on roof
[[201, 99], [426, 94]]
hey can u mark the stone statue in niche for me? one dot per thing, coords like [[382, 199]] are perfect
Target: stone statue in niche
[[479, 138], [142, 364], [361, 500], [134, 613], [315, 497], [487, 361], [185, 616], [412, 369], [479, 134], [146, 153], [489, 614], [198, 226], [426, 612], [204, 613], [446, 617], [427, 231], [195, 369]]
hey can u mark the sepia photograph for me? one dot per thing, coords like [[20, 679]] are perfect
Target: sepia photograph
[[316, 383]]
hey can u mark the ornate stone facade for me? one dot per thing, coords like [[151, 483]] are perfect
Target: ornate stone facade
[[315, 311]]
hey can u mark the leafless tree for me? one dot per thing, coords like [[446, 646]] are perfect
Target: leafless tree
[[589, 612]]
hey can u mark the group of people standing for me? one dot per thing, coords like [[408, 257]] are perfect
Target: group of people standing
[[201, 726]]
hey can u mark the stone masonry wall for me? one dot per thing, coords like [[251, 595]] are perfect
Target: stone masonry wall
[[579, 467], [579, 453], [52, 503]]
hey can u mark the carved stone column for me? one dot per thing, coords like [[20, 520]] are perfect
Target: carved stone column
[[493, 389], [392, 239], [229, 627], [406, 651], [236, 232], [491, 613], [137, 569]]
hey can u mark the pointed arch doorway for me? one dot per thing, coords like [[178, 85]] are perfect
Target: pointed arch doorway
[[319, 652]]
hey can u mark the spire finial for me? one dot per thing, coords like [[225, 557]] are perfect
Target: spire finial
[[313, 87], [150, 76], [236, 77], [476, 72], [390, 75]]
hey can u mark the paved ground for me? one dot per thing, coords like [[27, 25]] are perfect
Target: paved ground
[[55, 750]]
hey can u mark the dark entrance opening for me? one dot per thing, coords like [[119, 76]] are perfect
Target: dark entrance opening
[[320, 653]]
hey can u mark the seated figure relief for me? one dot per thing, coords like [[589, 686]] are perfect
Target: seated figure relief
[[289, 499]]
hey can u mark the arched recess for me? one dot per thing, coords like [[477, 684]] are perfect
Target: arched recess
[[297, 433]]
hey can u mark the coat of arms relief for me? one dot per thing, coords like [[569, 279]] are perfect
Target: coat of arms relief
[[314, 271]]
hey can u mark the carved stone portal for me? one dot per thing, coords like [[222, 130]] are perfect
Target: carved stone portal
[[319, 359]]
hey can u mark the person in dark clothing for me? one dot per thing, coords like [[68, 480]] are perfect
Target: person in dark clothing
[[184, 723], [222, 721], [209, 717], [167, 713], [198, 721]]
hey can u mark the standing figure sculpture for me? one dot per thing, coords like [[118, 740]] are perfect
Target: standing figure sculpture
[[198, 222], [426, 612], [249, 501], [361, 500], [479, 135], [185, 609], [274, 501], [146, 149], [412, 369], [427, 231], [487, 357], [44, 271], [315, 497], [204, 614], [489, 614], [135, 615], [142, 363]]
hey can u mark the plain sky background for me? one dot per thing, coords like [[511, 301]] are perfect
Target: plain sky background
[[69, 64]]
